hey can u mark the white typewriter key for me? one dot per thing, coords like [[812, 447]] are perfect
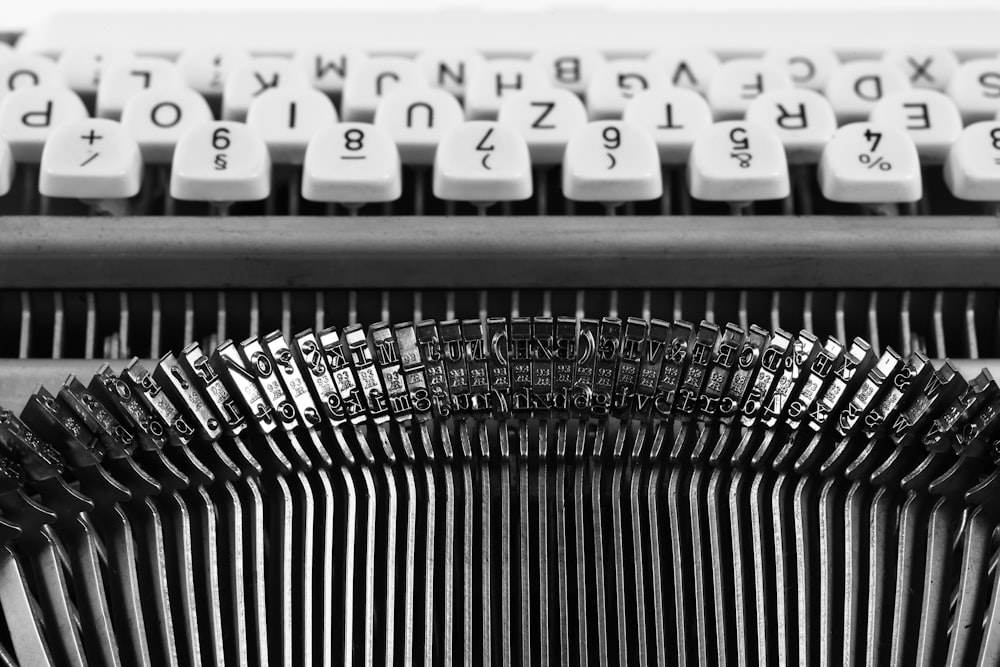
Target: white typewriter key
[[6, 166], [617, 82], [569, 68], [611, 162], [482, 162], [158, 118], [497, 79], [91, 159], [221, 161], [928, 116], [802, 118], [738, 161], [249, 79], [673, 117], [83, 66], [449, 69], [546, 119], [326, 68], [29, 115], [25, 70], [925, 67], [975, 87], [373, 78], [6, 51], [205, 69], [972, 169], [127, 77], [855, 87], [352, 163], [870, 163], [686, 68], [416, 119], [287, 118], [808, 66], [739, 82]]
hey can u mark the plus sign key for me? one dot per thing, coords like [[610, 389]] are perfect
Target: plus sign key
[[91, 159]]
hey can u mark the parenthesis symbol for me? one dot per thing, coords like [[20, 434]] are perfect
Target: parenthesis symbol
[[613, 161], [486, 166]]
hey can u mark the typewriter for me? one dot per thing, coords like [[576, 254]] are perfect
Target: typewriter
[[568, 337]]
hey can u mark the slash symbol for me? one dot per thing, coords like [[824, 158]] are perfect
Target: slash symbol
[[89, 160]]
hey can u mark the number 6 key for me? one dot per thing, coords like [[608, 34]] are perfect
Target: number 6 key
[[221, 161]]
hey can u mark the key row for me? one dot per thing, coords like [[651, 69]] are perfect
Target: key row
[[852, 87], [488, 161]]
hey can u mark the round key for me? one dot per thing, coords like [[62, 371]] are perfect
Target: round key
[[23, 70], [482, 161], [612, 162], [326, 67], [288, 118], [928, 116], [221, 161], [801, 118], [739, 82], [972, 169], [449, 69], [158, 118], [975, 88], [373, 78], [673, 117], [497, 79], [416, 119], [127, 77], [808, 66], [83, 66], [546, 119], [249, 79], [569, 68], [686, 68], [855, 87], [924, 66], [6, 166], [92, 158], [29, 115], [352, 163], [738, 161], [617, 82], [870, 163], [205, 68]]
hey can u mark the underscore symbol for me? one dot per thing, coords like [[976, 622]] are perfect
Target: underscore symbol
[[879, 162]]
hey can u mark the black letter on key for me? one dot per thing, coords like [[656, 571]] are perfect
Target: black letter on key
[[875, 93], [384, 75], [752, 90], [154, 114], [19, 73], [623, 80], [46, 117], [800, 117], [567, 69], [920, 70], [810, 69], [990, 80], [416, 105], [923, 118], [549, 106], [457, 76], [501, 85]]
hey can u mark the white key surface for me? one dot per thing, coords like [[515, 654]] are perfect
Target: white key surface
[[972, 169], [570, 68], [158, 118], [738, 161], [611, 161], [739, 82], [6, 51], [870, 163], [373, 78], [924, 67], [206, 68], [129, 76], [673, 117], [24, 70], [221, 161], [416, 118], [809, 66], [288, 118], [92, 158], [801, 118], [496, 80], [249, 79], [7, 166], [482, 161], [352, 163], [929, 116], [686, 68], [29, 115], [449, 69], [546, 119], [82, 67], [327, 64], [855, 87], [975, 87], [617, 82]]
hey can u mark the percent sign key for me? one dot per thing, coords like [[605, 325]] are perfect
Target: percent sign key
[[868, 163]]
